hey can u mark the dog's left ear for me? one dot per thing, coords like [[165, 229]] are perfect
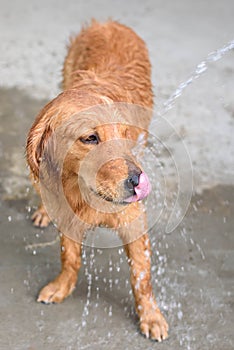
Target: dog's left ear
[[37, 138]]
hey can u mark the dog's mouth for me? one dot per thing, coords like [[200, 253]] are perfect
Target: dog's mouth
[[106, 197], [140, 192]]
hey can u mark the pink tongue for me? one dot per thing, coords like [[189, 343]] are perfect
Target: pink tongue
[[142, 189]]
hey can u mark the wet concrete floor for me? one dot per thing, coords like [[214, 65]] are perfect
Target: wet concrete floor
[[192, 268]]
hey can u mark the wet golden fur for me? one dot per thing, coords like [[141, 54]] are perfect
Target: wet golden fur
[[105, 63]]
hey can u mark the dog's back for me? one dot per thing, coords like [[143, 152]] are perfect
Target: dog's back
[[110, 57]]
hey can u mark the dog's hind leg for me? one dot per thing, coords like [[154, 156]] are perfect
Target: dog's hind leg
[[63, 285], [40, 218]]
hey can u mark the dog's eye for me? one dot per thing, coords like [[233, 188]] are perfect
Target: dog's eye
[[91, 139]]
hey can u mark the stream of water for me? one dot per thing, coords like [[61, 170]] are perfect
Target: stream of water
[[197, 73]]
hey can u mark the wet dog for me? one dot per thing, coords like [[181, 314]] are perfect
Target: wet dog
[[106, 64]]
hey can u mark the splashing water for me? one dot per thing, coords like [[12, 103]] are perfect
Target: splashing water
[[200, 69], [89, 276], [180, 159]]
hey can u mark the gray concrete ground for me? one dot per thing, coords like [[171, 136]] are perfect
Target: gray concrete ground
[[193, 267]]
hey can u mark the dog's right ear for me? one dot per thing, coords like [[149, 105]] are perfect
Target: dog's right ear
[[37, 138]]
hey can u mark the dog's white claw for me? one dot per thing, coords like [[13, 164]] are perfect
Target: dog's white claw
[[145, 330]]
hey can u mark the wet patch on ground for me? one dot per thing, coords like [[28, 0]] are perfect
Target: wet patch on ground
[[192, 268], [17, 114], [192, 273]]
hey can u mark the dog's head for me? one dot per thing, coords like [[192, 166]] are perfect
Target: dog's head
[[107, 166], [93, 145]]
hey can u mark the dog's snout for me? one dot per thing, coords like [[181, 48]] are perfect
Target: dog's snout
[[131, 182]]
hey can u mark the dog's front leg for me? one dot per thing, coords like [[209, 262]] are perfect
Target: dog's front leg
[[65, 282], [152, 322]]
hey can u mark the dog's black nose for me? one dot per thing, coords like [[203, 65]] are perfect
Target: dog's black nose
[[131, 182]]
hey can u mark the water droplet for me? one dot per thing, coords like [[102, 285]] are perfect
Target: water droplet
[[147, 253], [180, 315], [110, 311]]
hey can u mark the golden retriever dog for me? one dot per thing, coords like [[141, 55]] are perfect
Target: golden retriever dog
[[106, 65]]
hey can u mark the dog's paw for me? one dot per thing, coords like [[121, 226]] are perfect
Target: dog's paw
[[40, 218], [55, 292], [153, 325]]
